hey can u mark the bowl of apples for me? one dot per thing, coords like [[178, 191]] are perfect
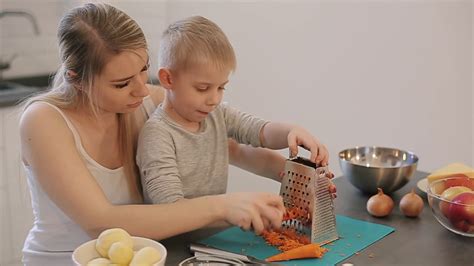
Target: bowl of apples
[[452, 203]]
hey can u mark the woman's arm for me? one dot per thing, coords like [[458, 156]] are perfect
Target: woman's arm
[[48, 147]]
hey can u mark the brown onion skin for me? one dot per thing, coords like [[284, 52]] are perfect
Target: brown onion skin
[[411, 205], [380, 205]]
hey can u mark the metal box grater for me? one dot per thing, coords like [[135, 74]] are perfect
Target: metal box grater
[[305, 191]]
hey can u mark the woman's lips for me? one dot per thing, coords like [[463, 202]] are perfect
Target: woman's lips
[[134, 105]]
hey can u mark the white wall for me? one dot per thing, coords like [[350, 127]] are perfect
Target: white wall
[[391, 73], [388, 73]]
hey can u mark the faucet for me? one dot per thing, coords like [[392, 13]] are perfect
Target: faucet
[[4, 65], [29, 16]]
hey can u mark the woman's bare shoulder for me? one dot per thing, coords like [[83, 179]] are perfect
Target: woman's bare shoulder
[[39, 111], [40, 118]]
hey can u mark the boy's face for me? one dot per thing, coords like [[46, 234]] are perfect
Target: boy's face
[[196, 92]]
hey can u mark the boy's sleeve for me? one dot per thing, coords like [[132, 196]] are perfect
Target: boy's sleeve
[[156, 160], [243, 127]]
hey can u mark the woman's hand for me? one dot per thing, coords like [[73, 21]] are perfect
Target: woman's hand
[[299, 136], [257, 211]]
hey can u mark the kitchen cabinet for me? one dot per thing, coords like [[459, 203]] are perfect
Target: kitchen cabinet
[[15, 205]]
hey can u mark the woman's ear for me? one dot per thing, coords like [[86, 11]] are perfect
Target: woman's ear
[[164, 75]]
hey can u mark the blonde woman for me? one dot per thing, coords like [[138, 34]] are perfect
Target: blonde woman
[[78, 144]]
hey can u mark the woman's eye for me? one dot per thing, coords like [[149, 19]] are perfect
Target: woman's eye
[[222, 88], [146, 67], [120, 86]]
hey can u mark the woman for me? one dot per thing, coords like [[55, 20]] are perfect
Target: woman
[[78, 147]]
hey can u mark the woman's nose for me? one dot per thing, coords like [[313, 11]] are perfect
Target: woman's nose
[[141, 90]]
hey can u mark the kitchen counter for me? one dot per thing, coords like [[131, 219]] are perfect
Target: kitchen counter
[[13, 91], [416, 241]]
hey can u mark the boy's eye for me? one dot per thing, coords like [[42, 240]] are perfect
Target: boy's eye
[[120, 86], [201, 88], [222, 88]]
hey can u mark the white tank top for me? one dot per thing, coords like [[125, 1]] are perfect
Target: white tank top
[[54, 235]]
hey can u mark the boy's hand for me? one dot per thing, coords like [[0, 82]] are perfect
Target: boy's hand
[[301, 137]]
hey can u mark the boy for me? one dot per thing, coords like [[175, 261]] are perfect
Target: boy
[[183, 147]]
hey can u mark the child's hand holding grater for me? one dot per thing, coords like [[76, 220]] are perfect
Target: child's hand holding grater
[[299, 136]]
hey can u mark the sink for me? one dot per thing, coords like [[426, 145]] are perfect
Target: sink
[[42, 80], [12, 93]]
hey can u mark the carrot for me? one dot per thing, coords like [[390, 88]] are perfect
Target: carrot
[[307, 251], [285, 239], [295, 213]]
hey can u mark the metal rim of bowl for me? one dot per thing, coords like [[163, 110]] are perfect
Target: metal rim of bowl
[[412, 154]]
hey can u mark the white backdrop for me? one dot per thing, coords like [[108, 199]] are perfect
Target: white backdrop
[[386, 73], [354, 72]]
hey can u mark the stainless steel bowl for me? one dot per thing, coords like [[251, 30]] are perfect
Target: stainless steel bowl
[[369, 168]]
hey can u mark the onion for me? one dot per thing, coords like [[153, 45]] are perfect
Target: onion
[[411, 204], [380, 205]]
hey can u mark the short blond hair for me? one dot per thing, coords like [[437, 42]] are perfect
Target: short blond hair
[[195, 41]]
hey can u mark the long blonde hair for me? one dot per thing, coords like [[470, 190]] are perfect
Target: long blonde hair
[[88, 36], [193, 41]]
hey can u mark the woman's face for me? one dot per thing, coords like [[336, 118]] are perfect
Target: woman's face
[[120, 88]]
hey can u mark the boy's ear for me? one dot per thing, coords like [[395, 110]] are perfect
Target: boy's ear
[[164, 75]]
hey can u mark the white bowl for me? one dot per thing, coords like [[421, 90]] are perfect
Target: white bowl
[[87, 252]]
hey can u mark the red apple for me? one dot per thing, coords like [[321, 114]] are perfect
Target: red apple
[[459, 180], [461, 212], [449, 195]]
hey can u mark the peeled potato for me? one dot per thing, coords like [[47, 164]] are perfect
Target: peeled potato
[[146, 256], [99, 262], [120, 253], [110, 236]]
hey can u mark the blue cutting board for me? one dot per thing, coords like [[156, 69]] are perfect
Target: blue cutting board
[[355, 235]]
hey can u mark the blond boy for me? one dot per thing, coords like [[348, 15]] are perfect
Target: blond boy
[[183, 147]]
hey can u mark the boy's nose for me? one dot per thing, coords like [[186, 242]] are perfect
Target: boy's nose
[[214, 98]]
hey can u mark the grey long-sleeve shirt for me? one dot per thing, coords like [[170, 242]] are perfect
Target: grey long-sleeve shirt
[[175, 163]]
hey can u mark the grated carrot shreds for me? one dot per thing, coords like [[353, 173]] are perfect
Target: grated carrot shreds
[[292, 244], [285, 239], [296, 213]]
